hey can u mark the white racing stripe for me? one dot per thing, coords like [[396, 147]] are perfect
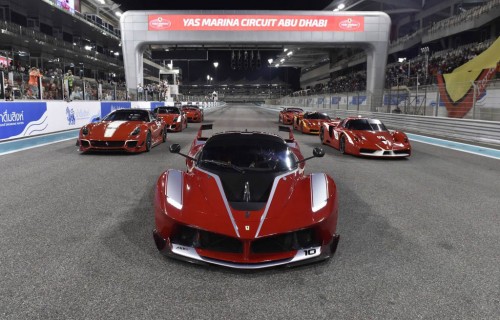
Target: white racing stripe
[[112, 127]]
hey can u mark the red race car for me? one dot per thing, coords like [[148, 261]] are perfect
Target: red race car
[[244, 202], [365, 137], [309, 122], [193, 113], [130, 130], [286, 115], [173, 117]]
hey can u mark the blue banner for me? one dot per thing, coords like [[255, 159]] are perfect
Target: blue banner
[[335, 100], [22, 118], [358, 100], [394, 99], [107, 107]]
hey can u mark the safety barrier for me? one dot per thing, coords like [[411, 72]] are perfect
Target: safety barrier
[[20, 119]]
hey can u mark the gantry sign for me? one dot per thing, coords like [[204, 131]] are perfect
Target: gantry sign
[[366, 30]]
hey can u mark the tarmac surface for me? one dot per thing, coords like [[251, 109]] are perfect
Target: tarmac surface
[[420, 238]]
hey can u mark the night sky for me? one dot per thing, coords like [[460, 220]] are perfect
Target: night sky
[[223, 4]]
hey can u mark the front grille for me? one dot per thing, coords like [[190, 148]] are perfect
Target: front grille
[[201, 239], [305, 238], [132, 144], [217, 242], [367, 151], [401, 151], [107, 144]]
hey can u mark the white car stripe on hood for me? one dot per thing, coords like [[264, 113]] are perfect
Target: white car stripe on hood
[[319, 191], [112, 127], [270, 199], [223, 195], [174, 188]]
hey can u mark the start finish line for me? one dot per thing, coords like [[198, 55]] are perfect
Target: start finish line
[[368, 31], [255, 23]]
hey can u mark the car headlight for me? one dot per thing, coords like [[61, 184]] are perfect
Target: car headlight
[[136, 131], [177, 119], [85, 131]]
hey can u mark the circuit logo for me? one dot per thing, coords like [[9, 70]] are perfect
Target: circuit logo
[[70, 116], [349, 24], [160, 23]]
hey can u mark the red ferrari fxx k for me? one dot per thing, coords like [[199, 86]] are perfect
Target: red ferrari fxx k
[[309, 122], [286, 115], [193, 113], [365, 137], [244, 202], [130, 130], [173, 117]]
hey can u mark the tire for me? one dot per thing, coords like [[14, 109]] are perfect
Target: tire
[[148, 142], [342, 145], [164, 134], [321, 135]]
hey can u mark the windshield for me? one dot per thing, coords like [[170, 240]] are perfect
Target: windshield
[[293, 110], [127, 115], [167, 110], [366, 124], [257, 152], [318, 116]]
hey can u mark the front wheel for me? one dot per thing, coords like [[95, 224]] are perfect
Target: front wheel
[[342, 145], [148, 142]]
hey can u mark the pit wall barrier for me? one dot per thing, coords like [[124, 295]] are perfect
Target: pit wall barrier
[[20, 119]]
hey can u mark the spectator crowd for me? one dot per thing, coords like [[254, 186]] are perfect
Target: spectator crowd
[[410, 73]]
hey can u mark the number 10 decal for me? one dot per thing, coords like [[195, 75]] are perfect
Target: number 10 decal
[[310, 252]]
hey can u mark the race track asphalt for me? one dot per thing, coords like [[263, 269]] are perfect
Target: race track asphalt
[[420, 238]]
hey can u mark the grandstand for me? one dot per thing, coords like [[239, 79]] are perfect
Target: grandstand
[[429, 39], [56, 38]]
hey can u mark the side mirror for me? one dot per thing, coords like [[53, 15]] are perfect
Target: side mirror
[[176, 148], [318, 152]]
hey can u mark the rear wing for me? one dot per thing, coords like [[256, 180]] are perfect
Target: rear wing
[[203, 127]]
